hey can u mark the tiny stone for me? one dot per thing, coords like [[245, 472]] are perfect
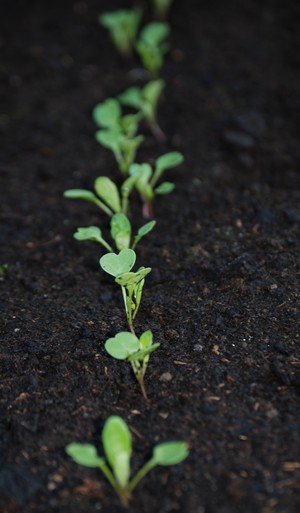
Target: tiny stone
[[198, 347], [166, 376]]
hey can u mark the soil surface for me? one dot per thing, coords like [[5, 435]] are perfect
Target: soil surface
[[221, 298]]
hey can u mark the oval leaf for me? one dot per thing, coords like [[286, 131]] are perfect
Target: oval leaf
[[164, 188], [92, 233], [107, 114], [84, 454], [129, 279], [146, 228], [122, 345], [146, 339], [116, 439], [170, 453], [120, 229], [81, 194], [108, 192], [118, 264], [169, 160]]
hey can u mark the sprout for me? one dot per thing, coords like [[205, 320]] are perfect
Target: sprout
[[117, 447], [126, 346], [119, 266], [124, 148], [109, 115], [123, 25], [151, 46], [145, 100], [147, 178]]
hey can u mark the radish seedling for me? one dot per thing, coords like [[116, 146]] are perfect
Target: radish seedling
[[147, 178], [151, 46], [117, 447], [145, 100], [161, 8], [131, 283], [127, 346], [124, 148], [120, 230], [123, 25]]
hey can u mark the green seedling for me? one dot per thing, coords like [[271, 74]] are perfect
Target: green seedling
[[109, 115], [161, 8], [145, 100], [127, 346], [123, 147], [120, 230], [123, 25], [3, 270], [117, 447], [147, 178], [119, 266], [152, 47]]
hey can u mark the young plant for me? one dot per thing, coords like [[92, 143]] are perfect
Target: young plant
[[123, 25], [124, 148], [147, 178], [117, 447], [119, 266], [120, 230], [152, 47], [127, 346], [145, 100], [161, 8], [111, 201]]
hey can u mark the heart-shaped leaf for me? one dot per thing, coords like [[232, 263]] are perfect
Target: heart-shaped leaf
[[116, 439], [84, 454], [118, 264], [108, 192], [122, 345], [170, 453], [107, 114]]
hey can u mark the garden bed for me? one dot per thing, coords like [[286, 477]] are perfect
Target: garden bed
[[221, 298]]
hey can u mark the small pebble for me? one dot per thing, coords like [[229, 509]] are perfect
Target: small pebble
[[198, 347], [166, 376]]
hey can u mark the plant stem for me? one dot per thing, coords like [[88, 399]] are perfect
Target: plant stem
[[104, 208], [159, 135], [147, 210], [140, 474]]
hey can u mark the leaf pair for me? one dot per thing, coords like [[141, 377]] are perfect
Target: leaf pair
[[123, 147], [105, 189], [123, 25], [117, 446], [152, 47], [108, 115]]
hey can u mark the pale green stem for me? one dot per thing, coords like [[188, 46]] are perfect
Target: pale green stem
[[104, 208], [140, 474], [106, 245], [109, 476]]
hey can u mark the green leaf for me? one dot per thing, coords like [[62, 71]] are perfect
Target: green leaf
[[164, 188], [154, 33], [152, 91], [118, 264], [107, 114], [146, 339], [146, 228], [117, 444], [131, 278], [81, 194], [168, 160], [140, 355], [109, 138], [108, 192], [170, 453], [122, 345], [130, 123], [120, 229], [132, 97], [92, 233], [84, 454]]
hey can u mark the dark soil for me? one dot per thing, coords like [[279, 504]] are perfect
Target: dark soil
[[221, 298]]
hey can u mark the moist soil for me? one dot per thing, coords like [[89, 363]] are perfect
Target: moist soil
[[221, 298]]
